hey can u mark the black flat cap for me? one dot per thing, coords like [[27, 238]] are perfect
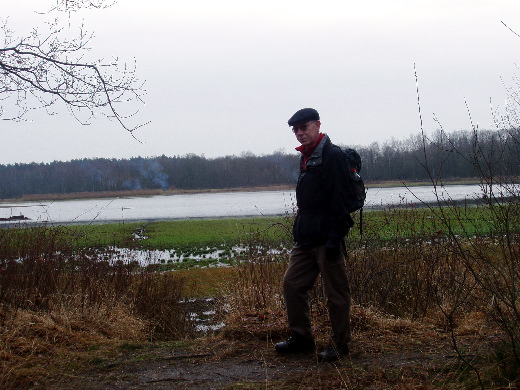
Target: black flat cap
[[304, 115]]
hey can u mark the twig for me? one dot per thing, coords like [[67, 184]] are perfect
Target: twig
[[510, 29], [196, 355], [167, 380]]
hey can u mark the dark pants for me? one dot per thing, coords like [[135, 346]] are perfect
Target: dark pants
[[304, 267]]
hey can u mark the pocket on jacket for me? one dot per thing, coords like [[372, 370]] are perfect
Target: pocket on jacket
[[308, 229]]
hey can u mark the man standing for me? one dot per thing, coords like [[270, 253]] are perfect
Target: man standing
[[319, 230]]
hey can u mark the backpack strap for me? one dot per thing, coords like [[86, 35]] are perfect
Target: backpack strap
[[361, 221]]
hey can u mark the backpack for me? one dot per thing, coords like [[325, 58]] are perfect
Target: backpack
[[355, 188], [356, 192]]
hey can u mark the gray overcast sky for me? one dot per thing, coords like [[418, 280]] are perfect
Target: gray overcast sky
[[222, 77]]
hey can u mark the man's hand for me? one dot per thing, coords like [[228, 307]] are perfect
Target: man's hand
[[332, 248]]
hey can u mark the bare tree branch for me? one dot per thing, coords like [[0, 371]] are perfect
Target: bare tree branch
[[47, 67], [75, 5], [510, 29]]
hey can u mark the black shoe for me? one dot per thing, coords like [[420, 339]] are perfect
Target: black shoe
[[332, 353], [295, 344]]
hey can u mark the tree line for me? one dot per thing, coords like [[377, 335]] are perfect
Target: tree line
[[418, 157]]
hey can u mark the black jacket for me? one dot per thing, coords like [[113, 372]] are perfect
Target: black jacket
[[320, 192]]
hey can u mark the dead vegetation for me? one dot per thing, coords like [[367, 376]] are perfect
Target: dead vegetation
[[58, 305], [442, 291], [431, 311]]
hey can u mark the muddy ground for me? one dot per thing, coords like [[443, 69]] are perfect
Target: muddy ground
[[398, 355]]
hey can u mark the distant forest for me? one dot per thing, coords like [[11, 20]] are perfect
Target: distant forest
[[448, 156]]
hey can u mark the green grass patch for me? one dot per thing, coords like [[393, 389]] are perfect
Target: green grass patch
[[233, 231], [193, 237], [411, 223], [104, 235], [195, 233]]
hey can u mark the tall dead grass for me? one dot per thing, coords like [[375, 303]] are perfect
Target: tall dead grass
[[54, 301], [435, 276]]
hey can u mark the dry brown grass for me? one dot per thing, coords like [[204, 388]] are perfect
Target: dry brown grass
[[432, 312], [387, 352], [206, 282], [58, 305], [36, 345], [400, 291]]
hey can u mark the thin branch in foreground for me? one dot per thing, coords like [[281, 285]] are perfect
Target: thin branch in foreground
[[45, 68], [510, 29]]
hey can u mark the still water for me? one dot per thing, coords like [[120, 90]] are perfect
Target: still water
[[209, 205]]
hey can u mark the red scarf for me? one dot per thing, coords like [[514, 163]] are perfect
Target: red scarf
[[307, 151]]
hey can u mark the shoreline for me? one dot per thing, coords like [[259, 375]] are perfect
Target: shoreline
[[160, 192], [30, 223]]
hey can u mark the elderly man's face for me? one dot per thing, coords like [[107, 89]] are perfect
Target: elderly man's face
[[307, 133]]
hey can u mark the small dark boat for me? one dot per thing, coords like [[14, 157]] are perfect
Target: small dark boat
[[15, 218]]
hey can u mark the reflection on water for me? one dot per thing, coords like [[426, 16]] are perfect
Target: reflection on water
[[208, 205]]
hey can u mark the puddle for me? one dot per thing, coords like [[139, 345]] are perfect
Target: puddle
[[206, 257], [213, 256], [204, 314]]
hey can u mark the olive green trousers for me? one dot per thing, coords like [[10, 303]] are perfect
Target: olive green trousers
[[305, 266]]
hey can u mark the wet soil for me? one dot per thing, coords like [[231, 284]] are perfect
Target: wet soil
[[396, 357]]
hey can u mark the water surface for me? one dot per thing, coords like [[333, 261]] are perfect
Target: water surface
[[208, 205]]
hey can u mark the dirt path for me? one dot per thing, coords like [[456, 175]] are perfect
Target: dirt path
[[400, 357]]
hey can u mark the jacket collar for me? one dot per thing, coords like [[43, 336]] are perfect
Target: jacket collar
[[314, 155], [307, 151]]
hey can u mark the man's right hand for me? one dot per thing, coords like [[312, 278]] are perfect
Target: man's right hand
[[332, 248]]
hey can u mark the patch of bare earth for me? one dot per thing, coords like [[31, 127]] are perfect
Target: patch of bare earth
[[386, 354]]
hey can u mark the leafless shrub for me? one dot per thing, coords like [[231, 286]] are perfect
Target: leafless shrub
[[485, 252]]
